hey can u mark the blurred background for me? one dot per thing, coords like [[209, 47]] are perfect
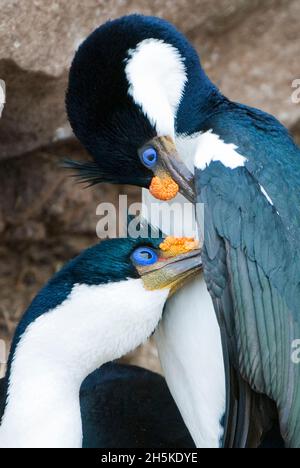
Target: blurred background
[[250, 48]]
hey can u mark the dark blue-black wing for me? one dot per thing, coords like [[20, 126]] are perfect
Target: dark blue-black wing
[[252, 269], [129, 407]]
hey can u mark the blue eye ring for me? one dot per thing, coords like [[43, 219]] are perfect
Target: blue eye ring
[[144, 256], [150, 157]]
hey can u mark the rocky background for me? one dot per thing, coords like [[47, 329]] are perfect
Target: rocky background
[[249, 47]]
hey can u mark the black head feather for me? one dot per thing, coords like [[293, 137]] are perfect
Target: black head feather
[[91, 173], [102, 114], [104, 117]]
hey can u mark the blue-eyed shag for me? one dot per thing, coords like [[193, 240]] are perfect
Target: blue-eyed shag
[[142, 105], [131, 60], [99, 307]]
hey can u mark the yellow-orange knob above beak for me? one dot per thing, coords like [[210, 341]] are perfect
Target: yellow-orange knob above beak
[[164, 188], [173, 246]]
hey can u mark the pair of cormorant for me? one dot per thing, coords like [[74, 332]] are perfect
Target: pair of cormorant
[[141, 104]]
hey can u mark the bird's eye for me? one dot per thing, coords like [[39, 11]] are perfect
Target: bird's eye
[[150, 157], [144, 256]]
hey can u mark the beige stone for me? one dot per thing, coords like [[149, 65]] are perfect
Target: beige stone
[[257, 61], [42, 35], [249, 47], [40, 198], [34, 114]]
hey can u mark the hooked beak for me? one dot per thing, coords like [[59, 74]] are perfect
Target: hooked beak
[[171, 174], [171, 272]]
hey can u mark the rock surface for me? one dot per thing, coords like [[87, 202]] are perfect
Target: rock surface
[[39, 35], [250, 48], [259, 59], [46, 218]]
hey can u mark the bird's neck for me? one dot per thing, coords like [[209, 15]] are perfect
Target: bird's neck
[[43, 409], [201, 101], [60, 348]]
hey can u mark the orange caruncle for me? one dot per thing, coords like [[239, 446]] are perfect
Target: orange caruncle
[[173, 246], [164, 188]]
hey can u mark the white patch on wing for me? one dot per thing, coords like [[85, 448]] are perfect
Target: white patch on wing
[[61, 348], [264, 192], [187, 148], [156, 74], [210, 148]]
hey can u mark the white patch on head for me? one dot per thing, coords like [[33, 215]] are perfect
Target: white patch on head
[[157, 76], [95, 325], [210, 148], [264, 192]]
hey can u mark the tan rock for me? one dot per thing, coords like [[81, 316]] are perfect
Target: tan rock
[[40, 199], [39, 35], [34, 114], [250, 47], [257, 61]]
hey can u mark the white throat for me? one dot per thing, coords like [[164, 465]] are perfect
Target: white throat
[[157, 76], [60, 349]]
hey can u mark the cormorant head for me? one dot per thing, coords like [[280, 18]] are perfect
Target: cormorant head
[[101, 305], [135, 84], [161, 264]]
